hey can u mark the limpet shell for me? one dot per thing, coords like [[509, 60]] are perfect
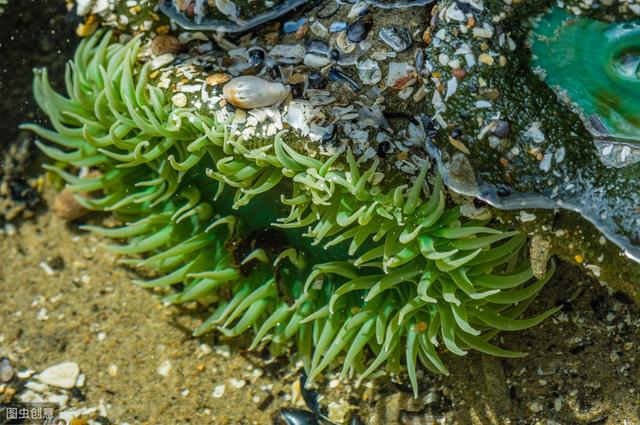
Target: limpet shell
[[248, 92]]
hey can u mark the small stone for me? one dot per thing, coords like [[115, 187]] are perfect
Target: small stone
[[162, 60], [540, 251], [26, 374], [112, 370], [165, 43], [83, 7], [179, 99], [6, 370], [237, 383], [535, 406], [501, 129], [66, 207], [63, 375], [164, 369], [557, 404], [218, 391], [339, 411], [36, 386], [486, 59], [88, 27], [218, 79]]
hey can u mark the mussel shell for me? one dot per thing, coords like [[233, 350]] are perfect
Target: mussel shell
[[400, 4], [295, 417], [222, 25]]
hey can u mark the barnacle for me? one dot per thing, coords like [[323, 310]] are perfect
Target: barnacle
[[292, 247]]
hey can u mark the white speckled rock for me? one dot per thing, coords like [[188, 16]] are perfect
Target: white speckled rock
[[63, 375]]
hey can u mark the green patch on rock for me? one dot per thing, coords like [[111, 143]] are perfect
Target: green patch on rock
[[597, 65]]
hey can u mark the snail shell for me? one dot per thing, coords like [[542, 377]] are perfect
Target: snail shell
[[249, 92]]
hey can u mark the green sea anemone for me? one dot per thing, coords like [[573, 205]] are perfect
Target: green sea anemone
[[604, 86], [347, 265]]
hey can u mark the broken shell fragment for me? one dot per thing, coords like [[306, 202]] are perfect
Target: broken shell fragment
[[249, 92]]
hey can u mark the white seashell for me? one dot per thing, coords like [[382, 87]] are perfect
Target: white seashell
[[369, 72], [358, 9], [316, 61], [227, 8], [84, 7], [292, 54], [249, 92]]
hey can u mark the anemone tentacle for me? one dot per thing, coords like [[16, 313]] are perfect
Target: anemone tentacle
[[351, 265]]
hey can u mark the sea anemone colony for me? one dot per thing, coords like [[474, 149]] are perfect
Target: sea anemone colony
[[358, 264]]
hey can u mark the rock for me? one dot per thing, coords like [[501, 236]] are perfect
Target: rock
[[165, 43], [218, 391], [218, 78], [540, 251], [179, 99], [535, 406], [339, 411], [67, 207], [165, 368], [6, 370], [84, 7], [63, 375]]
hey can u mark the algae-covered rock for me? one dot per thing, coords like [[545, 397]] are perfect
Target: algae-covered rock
[[518, 141]]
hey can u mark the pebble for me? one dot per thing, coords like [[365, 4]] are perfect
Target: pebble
[[218, 391], [369, 72], [179, 100], [319, 30], [205, 349], [162, 60], [535, 406], [486, 59], [88, 27], [6, 370], [83, 7], [63, 375], [66, 207], [502, 129], [26, 374], [217, 79], [112, 370], [237, 383], [329, 10], [164, 369], [165, 43], [339, 411]]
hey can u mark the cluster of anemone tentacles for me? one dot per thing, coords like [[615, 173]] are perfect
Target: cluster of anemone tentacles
[[293, 247]]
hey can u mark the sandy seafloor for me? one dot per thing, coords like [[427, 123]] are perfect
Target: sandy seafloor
[[583, 365], [63, 298]]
